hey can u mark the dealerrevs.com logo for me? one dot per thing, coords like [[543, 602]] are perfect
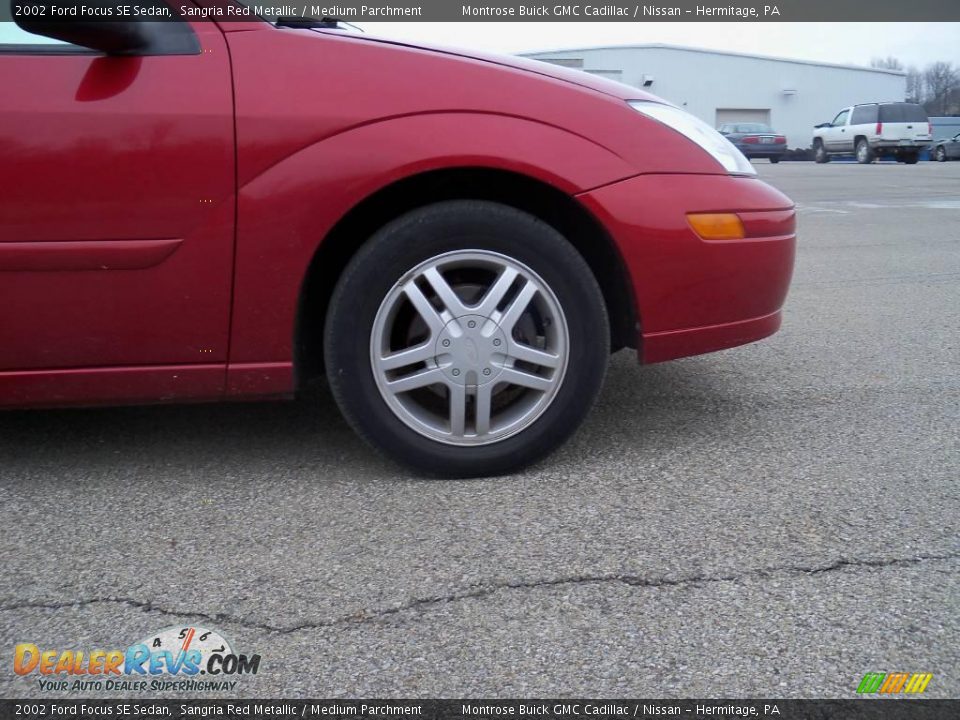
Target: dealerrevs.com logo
[[176, 658]]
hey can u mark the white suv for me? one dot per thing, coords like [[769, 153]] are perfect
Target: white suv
[[894, 129]]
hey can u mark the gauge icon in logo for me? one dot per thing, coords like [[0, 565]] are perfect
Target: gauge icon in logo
[[179, 641]]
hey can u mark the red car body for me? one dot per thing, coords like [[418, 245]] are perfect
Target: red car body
[[164, 218]]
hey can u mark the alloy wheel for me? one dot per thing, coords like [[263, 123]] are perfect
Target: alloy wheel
[[469, 347]]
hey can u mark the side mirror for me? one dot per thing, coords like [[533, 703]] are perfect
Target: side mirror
[[131, 37], [113, 38]]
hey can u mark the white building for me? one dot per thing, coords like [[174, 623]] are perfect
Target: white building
[[790, 95]]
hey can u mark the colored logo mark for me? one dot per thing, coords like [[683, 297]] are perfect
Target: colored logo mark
[[888, 683]]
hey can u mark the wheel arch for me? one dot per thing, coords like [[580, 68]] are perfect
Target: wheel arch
[[542, 200]]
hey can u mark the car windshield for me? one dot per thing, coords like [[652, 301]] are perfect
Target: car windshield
[[752, 128]]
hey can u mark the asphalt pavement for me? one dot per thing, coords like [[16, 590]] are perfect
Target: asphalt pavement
[[774, 520]]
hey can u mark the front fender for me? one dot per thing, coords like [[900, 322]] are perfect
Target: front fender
[[286, 211]]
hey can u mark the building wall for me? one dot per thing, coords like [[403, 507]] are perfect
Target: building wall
[[702, 82], [945, 127]]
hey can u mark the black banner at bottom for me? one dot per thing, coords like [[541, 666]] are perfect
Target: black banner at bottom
[[874, 708]]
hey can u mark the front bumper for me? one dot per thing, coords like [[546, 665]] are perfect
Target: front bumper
[[695, 296]]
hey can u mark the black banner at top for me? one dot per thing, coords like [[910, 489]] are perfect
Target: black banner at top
[[488, 10]]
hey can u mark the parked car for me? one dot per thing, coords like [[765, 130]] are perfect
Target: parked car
[[872, 130], [946, 149], [755, 140], [456, 241]]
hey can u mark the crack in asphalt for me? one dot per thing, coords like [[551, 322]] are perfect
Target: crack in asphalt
[[366, 616]]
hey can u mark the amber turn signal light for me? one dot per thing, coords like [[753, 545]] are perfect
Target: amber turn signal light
[[717, 226]]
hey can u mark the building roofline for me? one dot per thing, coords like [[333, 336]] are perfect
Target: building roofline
[[709, 51]]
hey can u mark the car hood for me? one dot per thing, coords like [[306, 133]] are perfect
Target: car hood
[[574, 77]]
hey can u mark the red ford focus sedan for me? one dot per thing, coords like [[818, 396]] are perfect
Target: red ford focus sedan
[[197, 210]]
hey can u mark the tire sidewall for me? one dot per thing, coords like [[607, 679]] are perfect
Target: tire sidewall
[[420, 236]]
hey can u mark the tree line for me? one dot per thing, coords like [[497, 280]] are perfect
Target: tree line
[[936, 87]]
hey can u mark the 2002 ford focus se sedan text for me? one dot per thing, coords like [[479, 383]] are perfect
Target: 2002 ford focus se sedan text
[[202, 211]]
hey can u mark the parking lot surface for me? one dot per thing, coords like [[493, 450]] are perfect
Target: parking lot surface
[[774, 520]]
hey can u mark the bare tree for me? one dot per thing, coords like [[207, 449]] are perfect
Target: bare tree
[[914, 85], [953, 101], [941, 80], [887, 63]]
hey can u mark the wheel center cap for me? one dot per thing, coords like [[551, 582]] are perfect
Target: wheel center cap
[[471, 350]]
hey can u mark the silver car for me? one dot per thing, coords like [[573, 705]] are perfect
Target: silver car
[[946, 149]]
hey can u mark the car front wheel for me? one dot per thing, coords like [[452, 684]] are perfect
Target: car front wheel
[[466, 338], [820, 153]]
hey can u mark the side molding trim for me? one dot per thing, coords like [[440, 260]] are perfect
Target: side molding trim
[[85, 254]]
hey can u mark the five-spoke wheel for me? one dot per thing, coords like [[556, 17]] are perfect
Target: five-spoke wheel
[[469, 347], [466, 338]]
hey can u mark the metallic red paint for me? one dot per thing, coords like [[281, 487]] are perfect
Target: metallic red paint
[[118, 150], [250, 174], [694, 295], [111, 385], [86, 254]]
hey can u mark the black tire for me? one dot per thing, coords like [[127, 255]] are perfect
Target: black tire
[[864, 153], [820, 153], [423, 234], [911, 158], [940, 154], [774, 160]]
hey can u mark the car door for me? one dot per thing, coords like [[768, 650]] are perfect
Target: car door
[[953, 147], [117, 204], [837, 139], [863, 121]]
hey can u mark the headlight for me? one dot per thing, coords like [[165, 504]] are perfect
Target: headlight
[[695, 129]]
